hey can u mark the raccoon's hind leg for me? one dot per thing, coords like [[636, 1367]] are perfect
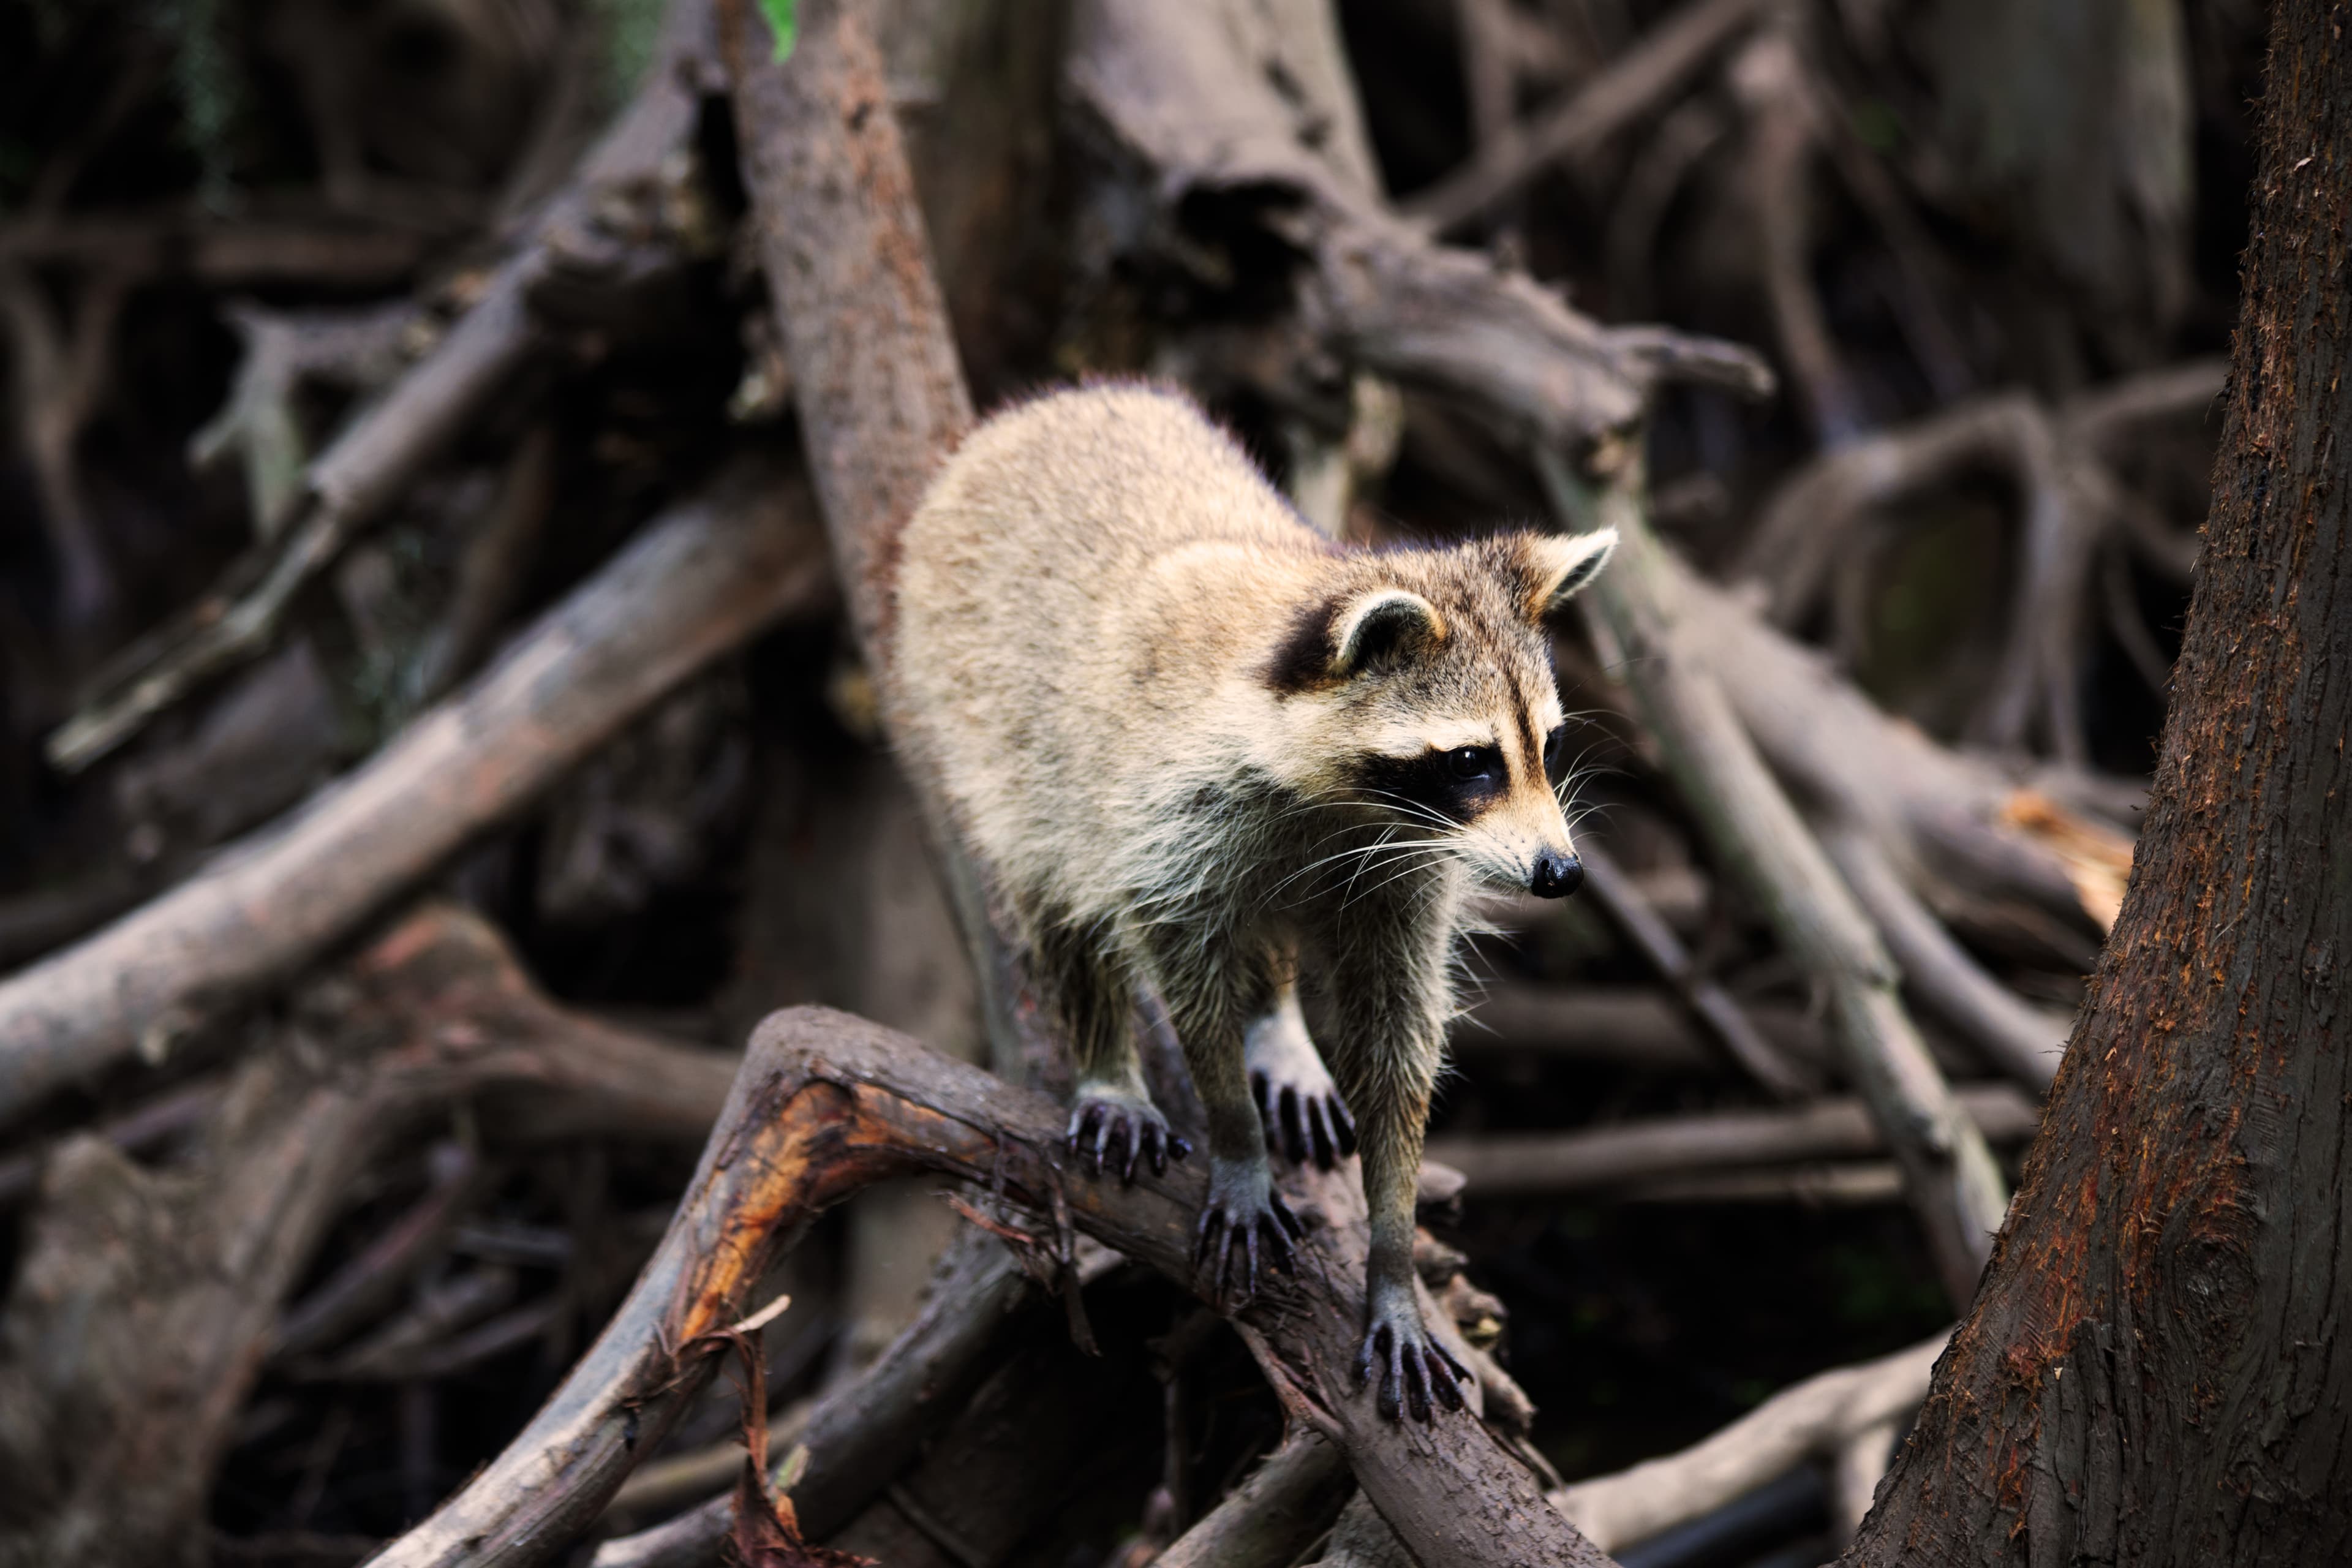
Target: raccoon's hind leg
[[1214, 983], [1112, 1119], [1296, 1099]]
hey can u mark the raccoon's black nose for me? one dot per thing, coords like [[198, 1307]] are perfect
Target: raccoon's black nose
[[1556, 875]]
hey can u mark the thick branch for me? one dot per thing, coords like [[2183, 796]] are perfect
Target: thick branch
[[1201, 127], [826, 1104], [695, 584]]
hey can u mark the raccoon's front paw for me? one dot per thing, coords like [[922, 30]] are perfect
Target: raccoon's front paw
[[1298, 1103], [1242, 1212], [1411, 1364], [1105, 1121]]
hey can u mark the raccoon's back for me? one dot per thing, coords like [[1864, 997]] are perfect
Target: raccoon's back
[[1084, 579]]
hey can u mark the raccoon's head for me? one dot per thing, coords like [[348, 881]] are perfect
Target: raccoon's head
[[1418, 686]]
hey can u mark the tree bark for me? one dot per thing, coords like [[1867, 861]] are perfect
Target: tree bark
[[2149, 1374]]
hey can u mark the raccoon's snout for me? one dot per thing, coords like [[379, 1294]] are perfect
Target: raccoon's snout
[[1556, 875]]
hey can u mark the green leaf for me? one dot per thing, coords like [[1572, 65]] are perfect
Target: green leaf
[[781, 23]]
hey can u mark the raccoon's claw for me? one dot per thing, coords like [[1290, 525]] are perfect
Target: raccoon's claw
[[1242, 1212], [1101, 1128], [1300, 1127], [1413, 1366]]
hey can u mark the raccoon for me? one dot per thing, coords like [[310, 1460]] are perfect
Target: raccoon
[[1198, 747]]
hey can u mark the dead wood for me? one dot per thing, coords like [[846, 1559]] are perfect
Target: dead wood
[[615, 203], [134, 1132], [1756, 832], [826, 1104], [1633, 84], [1816, 1419], [1521, 1164], [59, 372], [2020, 1040], [1272, 1516], [863, 1432], [1619, 1024], [2070, 503], [1724, 1020], [695, 584], [1945, 815], [148, 1298], [1185, 115], [186, 243]]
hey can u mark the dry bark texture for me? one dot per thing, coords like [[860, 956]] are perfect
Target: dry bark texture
[[2151, 1374]]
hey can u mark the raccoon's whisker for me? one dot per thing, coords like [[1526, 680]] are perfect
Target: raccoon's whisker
[[1412, 808], [1409, 869], [1363, 854]]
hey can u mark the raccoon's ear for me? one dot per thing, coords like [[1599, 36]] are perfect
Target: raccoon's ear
[[1560, 566], [1381, 626]]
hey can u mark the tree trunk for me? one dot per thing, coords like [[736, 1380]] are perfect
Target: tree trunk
[[2150, 1375]]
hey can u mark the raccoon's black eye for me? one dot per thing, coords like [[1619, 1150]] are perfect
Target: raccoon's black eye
[[1473, 761]]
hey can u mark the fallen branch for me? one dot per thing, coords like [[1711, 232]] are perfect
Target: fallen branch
[[1708, 1001], [2019, 1039], [148, 1298], [384, 450], [1756, 833], [1272, 1516], [2070, 501], [1946, 818], [696, 583], [1642, 77], [218, 253], [1815, 1419], [1524, 1164], [1191, 121], [1634, 1026], [826, 1104]]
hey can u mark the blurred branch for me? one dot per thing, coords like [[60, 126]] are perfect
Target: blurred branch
[[1189, 120], [695, 584], [383, 451], [1815, 1418], [154, 1295], [60, 372], [1756, 833], [1631, 1025], [1709, 1003], [1272, 1516], [1523, 1165], [150, 246], [2019, 1039], [2070, 501], [1632, 85]]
